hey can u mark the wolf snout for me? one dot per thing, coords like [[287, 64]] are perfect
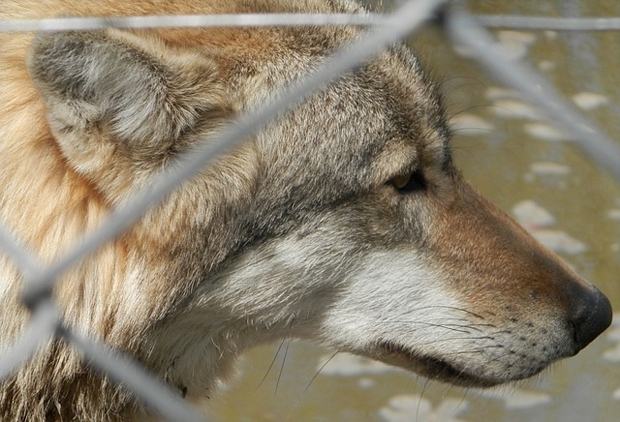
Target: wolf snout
[[592, 315]]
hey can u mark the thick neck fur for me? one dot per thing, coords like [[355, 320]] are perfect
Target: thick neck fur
[[66, 208]]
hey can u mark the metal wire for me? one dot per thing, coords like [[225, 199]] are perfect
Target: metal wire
[[43, 324], [552, 24], [192, 21], [20, 256], [385, 29], [121, 369], [462, 28]]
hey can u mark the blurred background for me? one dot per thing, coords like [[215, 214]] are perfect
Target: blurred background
[[525, 165]]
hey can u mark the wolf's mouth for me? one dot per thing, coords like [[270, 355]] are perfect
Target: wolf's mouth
[[428, 366]]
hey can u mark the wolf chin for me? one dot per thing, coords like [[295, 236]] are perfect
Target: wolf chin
[[344, 222]]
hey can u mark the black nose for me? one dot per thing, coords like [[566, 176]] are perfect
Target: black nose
[[592, 317]]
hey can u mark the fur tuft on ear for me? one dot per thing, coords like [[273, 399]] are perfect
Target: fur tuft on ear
[[137, 92]]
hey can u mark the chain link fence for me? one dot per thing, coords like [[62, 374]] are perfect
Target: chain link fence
[[383, 29]]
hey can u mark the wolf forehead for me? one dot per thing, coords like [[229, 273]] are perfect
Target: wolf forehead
[[388, 102], [382, 120]]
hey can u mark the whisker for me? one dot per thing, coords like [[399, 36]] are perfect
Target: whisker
[[417, 410], [470, 108], [270, 365], [471, 81], [475, 351], [288, 343], [465, 129], [461, 328], [463, 397], [454, 308], [319, 371], [447, 340]]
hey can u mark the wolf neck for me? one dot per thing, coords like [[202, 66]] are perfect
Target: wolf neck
[[195, 349]]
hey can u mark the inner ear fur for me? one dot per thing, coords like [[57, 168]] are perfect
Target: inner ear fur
[[129, 90]]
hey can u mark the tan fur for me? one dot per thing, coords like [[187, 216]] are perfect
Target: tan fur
[[301, 231]]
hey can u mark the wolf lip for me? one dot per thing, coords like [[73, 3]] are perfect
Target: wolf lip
[[429, 366]]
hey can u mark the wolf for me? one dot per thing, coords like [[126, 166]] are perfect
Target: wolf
[[343, 222]]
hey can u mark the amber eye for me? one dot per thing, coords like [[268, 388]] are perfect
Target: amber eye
[[409, 182], [400, 182]]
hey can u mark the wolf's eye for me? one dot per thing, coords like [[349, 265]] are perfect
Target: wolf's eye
[[409, 182]]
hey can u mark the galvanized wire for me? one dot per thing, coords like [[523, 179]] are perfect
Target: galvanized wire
[[26, 263], [119, 368], [193, 21], [43, 324], [461, 27], [548, 23], [385, 29]]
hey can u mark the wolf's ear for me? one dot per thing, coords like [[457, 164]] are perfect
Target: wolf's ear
[[115, 86]]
